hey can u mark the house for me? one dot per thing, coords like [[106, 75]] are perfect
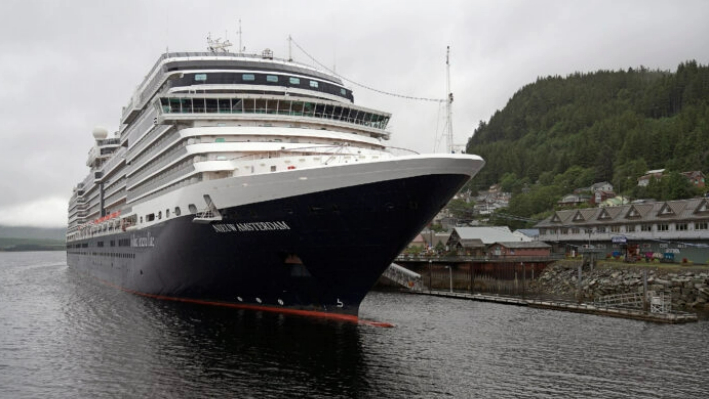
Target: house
[[601, 195], [419, 242], [527, 234], [474, 240], [680, 227], [602, 186], [696, 178], [644, 180], [572, 200], [518, 248]]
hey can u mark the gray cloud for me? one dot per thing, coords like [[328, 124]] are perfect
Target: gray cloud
[[68, 66]]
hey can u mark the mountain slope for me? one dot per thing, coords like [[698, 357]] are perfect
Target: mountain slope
[[617, 124]]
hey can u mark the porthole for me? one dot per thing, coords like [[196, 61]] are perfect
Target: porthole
[[192, 208], [177, 211]]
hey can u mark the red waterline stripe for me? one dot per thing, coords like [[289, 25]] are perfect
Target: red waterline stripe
[[307, 313]]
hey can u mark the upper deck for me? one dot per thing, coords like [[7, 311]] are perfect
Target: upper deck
[[181, 68]]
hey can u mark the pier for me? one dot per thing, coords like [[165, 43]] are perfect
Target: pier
[[612, 311], [652, 307]]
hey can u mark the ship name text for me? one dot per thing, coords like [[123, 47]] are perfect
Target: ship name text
[[253, 226], [147, 241]]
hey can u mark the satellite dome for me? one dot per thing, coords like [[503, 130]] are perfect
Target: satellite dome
[[100, 133]]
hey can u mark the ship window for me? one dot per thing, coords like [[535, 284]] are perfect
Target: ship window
[[343, 92], [198, 105], [177, 211], [192, 208], [297, 108], [224, 105], [160, 215], [313, 84], [271, 78], [273, 168], [141, 219], [200, 77], [212, 105], [150, 217], [294, 81], [248, 77]]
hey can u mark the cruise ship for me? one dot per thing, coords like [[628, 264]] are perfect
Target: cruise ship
[[255, 182]]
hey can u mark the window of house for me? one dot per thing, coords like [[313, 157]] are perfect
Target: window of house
[[663, 227], [646, 227], [630, 228], [681, 226], [601, 229], [701, 225], [575, 230], [615, 229]]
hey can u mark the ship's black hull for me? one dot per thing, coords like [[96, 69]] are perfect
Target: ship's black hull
[[320, 252]]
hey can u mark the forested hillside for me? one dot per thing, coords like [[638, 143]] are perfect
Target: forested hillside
[[589, 127]]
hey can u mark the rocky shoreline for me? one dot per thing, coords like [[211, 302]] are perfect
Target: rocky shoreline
[[688, 286]]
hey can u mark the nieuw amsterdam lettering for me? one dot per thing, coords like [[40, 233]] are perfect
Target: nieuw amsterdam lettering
[[147, 241], [254, 226]]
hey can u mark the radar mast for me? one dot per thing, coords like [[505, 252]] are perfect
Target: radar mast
[[216, 45]]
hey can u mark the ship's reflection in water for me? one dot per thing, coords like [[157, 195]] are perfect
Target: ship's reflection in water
[[66, 335]]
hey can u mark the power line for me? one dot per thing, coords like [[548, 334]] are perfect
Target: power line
[[437, 100]]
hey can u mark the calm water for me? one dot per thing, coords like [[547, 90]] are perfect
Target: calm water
[[63, 335]]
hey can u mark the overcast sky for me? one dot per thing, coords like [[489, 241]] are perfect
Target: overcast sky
[[67, 66]]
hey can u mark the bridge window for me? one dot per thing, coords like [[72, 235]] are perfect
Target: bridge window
[[200, 77], [294, 81], [271, 78], [248, 77], [313, 84]]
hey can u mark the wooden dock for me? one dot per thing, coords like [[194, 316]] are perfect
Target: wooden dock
[[628, 313]]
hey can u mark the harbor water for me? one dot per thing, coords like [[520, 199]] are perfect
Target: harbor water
[[66, 335]]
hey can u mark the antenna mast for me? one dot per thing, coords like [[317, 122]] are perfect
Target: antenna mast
[[449, 104], [241, 49], [290, 48]]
